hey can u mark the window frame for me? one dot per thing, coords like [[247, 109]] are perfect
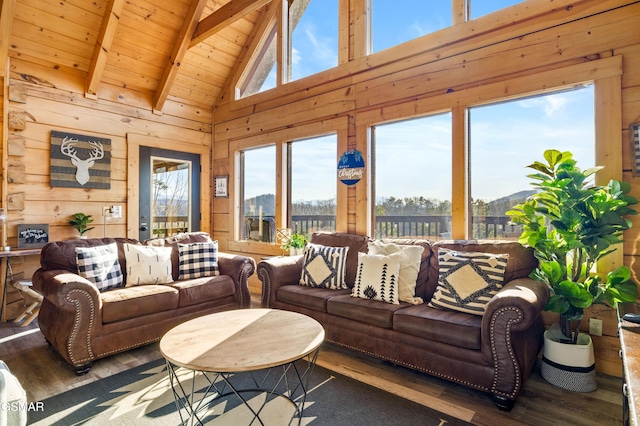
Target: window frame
[[281, 139]]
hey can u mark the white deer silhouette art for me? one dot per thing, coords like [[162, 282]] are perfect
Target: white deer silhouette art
[[67, 147]]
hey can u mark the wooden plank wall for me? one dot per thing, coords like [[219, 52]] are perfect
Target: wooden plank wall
[[52, 98], [531, 47]]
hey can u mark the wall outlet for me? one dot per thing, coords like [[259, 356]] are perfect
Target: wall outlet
[[595, 327]]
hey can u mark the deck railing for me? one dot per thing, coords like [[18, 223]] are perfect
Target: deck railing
[[433, 227]]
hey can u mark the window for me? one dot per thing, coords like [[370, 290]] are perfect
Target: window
[[412, 172], [506, 137], [395, 22], [258, 189], [262, 74], [484, 7], [313, 37], [171, 188], [313, 184]]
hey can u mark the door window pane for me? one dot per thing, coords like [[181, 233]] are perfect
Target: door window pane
[[413, 178], [258, 168], [313, 185], [506, 137], [170, 204], [395, 22]]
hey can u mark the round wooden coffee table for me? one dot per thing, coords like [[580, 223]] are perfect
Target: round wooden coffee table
[[221, 345]]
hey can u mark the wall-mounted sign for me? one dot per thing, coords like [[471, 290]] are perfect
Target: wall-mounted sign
[[220, 186], [351, 167], [32, 236], [80, 161]]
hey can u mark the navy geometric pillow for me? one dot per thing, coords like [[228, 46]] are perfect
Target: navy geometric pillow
[[100, 265], [198, 260]]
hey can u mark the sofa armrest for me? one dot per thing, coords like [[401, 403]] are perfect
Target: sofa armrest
[[277, 272], [239, 268], [55, 285], [512, 333], [71, 313]]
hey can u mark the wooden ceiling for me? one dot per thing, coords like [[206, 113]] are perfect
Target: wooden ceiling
[[183, 50]]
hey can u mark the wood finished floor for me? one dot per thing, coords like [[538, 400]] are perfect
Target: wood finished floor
[[43, 373]]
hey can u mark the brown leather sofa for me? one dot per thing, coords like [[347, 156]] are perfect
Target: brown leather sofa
[[494, 353], [83, 324]]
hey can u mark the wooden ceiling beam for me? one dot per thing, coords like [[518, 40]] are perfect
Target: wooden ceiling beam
[[103, 45], [226, 15], [177, 55], [7, 8]]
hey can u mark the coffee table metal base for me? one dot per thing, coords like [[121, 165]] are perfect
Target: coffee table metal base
[[289, 381]]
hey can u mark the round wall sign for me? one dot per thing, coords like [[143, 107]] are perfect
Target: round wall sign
[[351, 167]]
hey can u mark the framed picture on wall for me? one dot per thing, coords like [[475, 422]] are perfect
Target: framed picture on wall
[[33, 235], [634, 136], [220, 186]]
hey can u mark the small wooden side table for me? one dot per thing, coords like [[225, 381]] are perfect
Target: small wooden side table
[[5, 257]]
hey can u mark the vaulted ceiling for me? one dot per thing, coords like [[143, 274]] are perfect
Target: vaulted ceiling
[[183, 50]]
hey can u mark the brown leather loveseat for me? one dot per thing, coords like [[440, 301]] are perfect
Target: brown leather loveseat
[[493, 352], [83, 324]]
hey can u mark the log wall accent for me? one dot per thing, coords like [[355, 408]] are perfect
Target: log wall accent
[[531, 48]]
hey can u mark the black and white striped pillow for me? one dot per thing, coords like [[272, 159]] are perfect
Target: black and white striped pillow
[[468, 280], [100, 265], [198, 260], [324, 266]]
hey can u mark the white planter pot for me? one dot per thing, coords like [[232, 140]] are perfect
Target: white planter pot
[[296, 251], [570, 367]]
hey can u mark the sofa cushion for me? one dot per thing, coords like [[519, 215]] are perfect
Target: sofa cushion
[[148, 265], [204, 289], [370, 312], [134, 302], [307, 297], [468, 280], [100, 265], [378, 277], [409, 267], [422, 289], [450, 327], [198, 260], [62, 254], [324, 266], [356, 244]]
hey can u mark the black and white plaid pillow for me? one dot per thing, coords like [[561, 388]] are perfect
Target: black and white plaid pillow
[[198, 260], [100, 265]]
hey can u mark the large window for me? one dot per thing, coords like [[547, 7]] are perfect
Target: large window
[[506, 137], [313, 37], [258, 189], [395, 22], [313, 185], [413, 178], [484, 7]]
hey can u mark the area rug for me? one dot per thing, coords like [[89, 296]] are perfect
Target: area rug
[[143, 396]]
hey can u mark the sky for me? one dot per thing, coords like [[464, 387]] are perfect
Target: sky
[[505, 137]]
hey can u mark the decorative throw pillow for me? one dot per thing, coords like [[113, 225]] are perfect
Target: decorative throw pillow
[[324, 266], [100, 265], [377, 277], [198, 260], [409, 267], [147, 265], [468, 280]]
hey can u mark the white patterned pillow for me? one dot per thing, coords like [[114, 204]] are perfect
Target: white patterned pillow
[[147, 265], [198, 260], [100, 265], [377, 277], [324, 266], [409, 267], [468, 280]]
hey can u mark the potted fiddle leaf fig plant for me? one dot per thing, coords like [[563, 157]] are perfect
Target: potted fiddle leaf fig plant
[[571, 223], [81, 221], [295, 244]]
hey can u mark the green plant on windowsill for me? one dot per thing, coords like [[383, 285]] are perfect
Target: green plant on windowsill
[[295, 244], [81, 221], [571, 224]]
